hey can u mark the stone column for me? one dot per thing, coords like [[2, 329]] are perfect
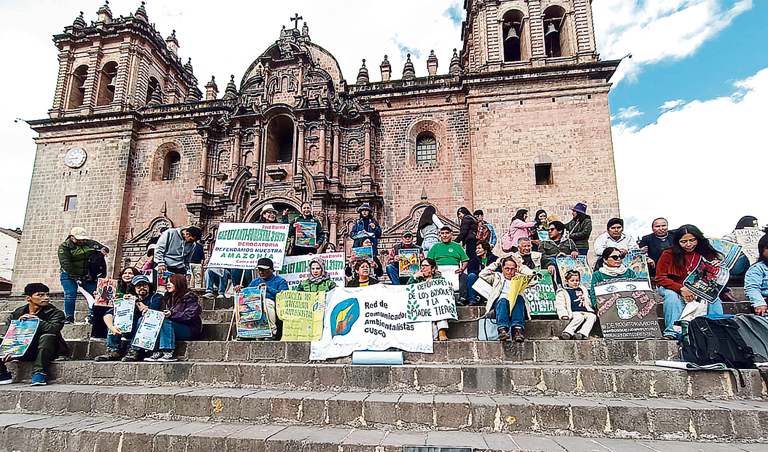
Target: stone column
[[322, 145], [204, 163], [92, 79], [335, 163], [333, 219], [256, 150], [234, 156], [300, 151], [64, 82], [367, 154]]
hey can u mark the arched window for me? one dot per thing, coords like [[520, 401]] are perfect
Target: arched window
[[107, 84], [555, 32], [513, 36], [153, 91], [426, 148], [280, 140], [77, 87], [172, 166]]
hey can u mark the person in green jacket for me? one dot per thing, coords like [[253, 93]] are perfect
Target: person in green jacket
[[319, 280], [74, 257], [47, 343], [428, 271], [612, 268], [580, 228]]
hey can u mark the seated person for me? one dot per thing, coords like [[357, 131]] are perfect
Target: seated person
[[117, 340], [182, 321], [654, 244], [47, 343], [363, 276], [393, 268], [616, 238], [485, 257], [556, 246], [319, 280], [573, 303], [689, 246], [525, 255], [743, 262], [427, 269], [612, 267], [274, 284], [376, 266], [218, 277], [500, 285], [756, 278], [448, 252]]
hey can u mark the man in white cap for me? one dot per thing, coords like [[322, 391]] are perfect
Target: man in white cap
[[75, 257]]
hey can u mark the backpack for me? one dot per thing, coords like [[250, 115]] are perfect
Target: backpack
[[97, 266], [754, 330], [716, 339], [487, 328], [506, 241], [483, 231]]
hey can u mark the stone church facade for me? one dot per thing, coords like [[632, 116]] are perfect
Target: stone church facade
[[519, 120]]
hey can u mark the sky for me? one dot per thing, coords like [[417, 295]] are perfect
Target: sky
[[687, 110]]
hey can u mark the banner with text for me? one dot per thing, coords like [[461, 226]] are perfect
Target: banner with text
[[148, 330], [296, 268], [748, 238], [540, 294], [241, 245], [370, 318], [302, 315], [431, 301], [626, 308], [124, 312]]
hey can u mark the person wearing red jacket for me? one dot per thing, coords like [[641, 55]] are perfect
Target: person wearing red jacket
[[689, 246]]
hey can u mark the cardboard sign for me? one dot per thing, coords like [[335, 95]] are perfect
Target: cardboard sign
[[636, 261], [18, 337], [539, 296], [707, 280], [302, 315], [296, 268], [408, 262], [431, 301], [124, 309], [241, 245], [362, 252], [251, 313], [105, 290], [306, 234], [449, 273], [148, 330], [626, 308]]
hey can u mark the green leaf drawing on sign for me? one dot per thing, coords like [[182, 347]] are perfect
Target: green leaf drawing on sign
[[413, 306]]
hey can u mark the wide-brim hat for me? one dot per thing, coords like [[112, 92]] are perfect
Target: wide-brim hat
[[79, 233], [365, 206], [580, 207], [268, 208]]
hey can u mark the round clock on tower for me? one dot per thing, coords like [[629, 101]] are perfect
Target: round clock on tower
[[75, 157]]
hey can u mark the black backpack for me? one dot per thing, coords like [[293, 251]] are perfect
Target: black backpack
[[97, 266], [716, 340]]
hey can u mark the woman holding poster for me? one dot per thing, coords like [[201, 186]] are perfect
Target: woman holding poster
[[373, 260], [319, 280], [613, 267], [427, 272], [689, 247], [182, 318]]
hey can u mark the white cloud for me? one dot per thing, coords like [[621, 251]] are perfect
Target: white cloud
[[703, 163], [671, 104], [658, 30], [627, 113]]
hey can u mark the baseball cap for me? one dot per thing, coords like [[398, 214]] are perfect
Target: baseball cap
[[264, 263], [138, 279], [79, 233]]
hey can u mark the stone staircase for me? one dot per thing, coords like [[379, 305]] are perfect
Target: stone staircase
[[541, 395]]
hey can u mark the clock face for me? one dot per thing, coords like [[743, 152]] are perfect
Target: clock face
[[75, 157]]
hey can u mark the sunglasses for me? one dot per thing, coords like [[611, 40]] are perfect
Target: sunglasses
[[551, 229], [616, 257]]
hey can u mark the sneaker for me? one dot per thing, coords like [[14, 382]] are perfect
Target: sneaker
[[131, 356], [220, 296], [89, 319], [155, 357], [6, 378], [565, 336], [167, 357], [579, 337], [39, 379], [68, 320], [208, 295], [517, 334], [112, 355]]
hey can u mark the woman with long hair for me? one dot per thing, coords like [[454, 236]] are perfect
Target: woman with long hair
[[124, 284], [689, 247], [428, 231], [541, 225], [520, 227], [580, 228], [182, 318], [467, 232]]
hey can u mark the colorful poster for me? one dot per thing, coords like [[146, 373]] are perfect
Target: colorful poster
[[543, 235], [252, 321], [306, 234], [296, 268], [707, 280], [409, 262], [449, 272], [161, 279], [148, 330], [241, 245], [302, 315], [105, 291], [579, 264], [636, 261], [430, 301], [18, 337], [362, 252], [729, 250], [627, 309], [123, 313], [539, 296], [748, 238], [370, 318]]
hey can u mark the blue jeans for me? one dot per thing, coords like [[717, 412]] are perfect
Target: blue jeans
[[741, 266], [584, 252], [394, 274], [503, 318], [673, 309], [471, 294], [115, 342], [238, 273], [218, 277], [169, 333], [70, 293]]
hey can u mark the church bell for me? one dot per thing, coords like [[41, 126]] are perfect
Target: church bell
[[551, 30], [512, 35]]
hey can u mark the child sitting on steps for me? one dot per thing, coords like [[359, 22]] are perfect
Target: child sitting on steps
[[573, 303]]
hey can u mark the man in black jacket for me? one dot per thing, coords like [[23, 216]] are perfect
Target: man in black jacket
[[654, 244], [47, 343]]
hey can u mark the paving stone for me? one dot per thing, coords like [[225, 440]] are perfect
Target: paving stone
[[346, 408], [537, 444], [585, 445], [252, 438], [381, 408], [174, 439], [256, 407], [452, 410], [456, 439]]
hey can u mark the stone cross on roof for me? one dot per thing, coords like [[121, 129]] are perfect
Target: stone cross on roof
[[295, 19]]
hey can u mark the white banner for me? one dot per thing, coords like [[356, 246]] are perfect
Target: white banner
[[149, 330], [370, 318], [431, 301], [241, 245], [296, 268]]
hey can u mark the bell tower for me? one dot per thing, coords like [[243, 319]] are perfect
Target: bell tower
[[508, 34]]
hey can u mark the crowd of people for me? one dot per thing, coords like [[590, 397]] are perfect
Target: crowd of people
[[524, 247]]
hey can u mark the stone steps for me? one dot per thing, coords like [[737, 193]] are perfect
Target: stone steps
[[73, 433], [591, 352], [511, 379], [587, 417]]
